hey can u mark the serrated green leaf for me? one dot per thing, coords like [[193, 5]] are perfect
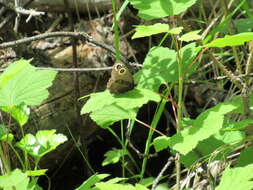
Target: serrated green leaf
[[176, 30], [231, 40], [16, 179], [245, 157], [190, 36], [39, 145], [92, 180], [161, 143], [207, 123], [116, 180], [160, 66], [237, 178], [20, 113], [136, 98], [97, 101], [151, 9], [25, 84], [113, 156], [112, 113], [143, 31]]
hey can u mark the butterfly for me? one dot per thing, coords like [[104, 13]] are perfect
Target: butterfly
[[121, 79]]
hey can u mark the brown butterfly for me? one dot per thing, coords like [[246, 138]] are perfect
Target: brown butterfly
[[121, 79]]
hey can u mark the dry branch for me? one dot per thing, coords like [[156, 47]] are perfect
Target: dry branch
[[83, 6]]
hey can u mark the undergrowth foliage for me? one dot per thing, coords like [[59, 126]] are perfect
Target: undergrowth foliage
[[213, 135]]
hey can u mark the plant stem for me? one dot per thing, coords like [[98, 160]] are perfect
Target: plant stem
[[4, 159], [179, 110], [154, 123]]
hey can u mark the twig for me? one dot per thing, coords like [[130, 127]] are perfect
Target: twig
[[157, 179], [11, 16], [79, 35]]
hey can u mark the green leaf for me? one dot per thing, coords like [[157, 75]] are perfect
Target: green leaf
[[112, 113], [136, 98], [92, 180], [190, 36], [237, 178], [113, 156], [4, 135], [97, 101], [108, 108], [160, 67], [241, 25], [207, 123], [16, 179], [23, 83], [231, 40], [34, 173], [20, 113], [39, 145], [151, 9], [110, 186], [161, 143], [143, 31], [245, 157]]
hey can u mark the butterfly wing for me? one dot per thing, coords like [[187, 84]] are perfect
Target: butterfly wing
[[121, 79]]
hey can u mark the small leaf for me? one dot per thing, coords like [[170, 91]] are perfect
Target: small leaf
[[23, 83], [143, 31], [231, 40], [161, 143], [113, 156], [92, 180], [20, 113], [237, 178], [190, 36], [151, 9], [4, 135], [34, 173], [44, 142]]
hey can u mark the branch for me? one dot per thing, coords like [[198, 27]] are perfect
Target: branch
[[79, 35]]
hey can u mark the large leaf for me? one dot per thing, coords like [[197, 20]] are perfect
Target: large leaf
[[112, 113], [150, 9], [44, 142], [23, 83], [107, 108], [160, 66], [113, 156], [207, 123], [237, 178]]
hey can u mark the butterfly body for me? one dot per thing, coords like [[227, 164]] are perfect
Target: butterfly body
[[121, 79]]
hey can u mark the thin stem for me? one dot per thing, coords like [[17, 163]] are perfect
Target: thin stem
[[154, 123]]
